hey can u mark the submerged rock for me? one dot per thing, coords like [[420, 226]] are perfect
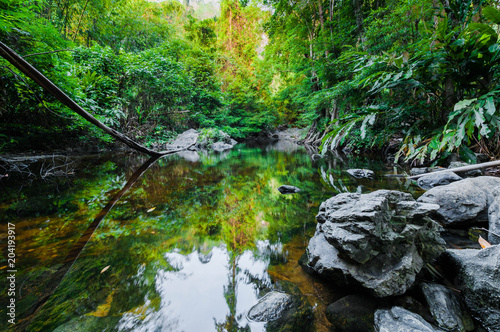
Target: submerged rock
[[284, 310], [270, 307], [435, 179], [286, 189], [446, 309], [360, 173], [377, 241], [399, 319], [352, 313], [465, 201], [478, 275]]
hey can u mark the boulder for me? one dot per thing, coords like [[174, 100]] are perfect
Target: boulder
[[270, 307], [184, 140], [465, 201], [446, 308], [283, 309], [213, 139], [435, 179], [286, 189], [478, 277], [418, 170], [399, 319], [359, 173], [377, 241], [352, 313], [221, 146], [494, 221]]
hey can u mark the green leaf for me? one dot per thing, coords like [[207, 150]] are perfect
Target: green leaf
[[494, 48], [484, 29], [370, 118], [463, 104], [492, 14], [490, 106], [467, 155]]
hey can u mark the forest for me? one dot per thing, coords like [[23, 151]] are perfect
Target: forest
[[358, 74], [96, 237]]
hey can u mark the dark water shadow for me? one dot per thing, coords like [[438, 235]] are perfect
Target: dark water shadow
[[80, 244]]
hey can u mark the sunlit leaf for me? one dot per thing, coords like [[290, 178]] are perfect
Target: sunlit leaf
[[483, 242], [463, 104], [490, 106]]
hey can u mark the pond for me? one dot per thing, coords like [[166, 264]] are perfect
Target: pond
[[189, 242]]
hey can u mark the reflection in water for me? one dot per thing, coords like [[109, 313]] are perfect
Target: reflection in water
[[190, 247], [193, 293]]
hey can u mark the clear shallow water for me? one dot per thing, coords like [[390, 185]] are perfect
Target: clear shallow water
[[191, 245]]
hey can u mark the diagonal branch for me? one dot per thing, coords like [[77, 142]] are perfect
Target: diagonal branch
[[17, 61]]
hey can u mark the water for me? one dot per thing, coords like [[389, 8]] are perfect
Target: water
[[190, 245]]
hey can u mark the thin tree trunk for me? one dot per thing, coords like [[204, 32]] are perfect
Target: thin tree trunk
[[322, 23], [358, 13], [45, 83], [80, 20]]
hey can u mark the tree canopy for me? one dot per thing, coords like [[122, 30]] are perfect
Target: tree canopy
[[359, 74]]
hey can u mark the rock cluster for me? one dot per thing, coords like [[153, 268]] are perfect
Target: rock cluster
[[191, 139], [465, 201], [377, 241]]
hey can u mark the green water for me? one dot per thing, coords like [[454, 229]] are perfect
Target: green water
[[190, 246]]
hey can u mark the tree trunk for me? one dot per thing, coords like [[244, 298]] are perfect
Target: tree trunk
[[358, 13], [322, 23]]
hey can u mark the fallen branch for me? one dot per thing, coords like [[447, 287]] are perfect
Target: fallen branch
[[461, 169], [48, 52], [17, 61]]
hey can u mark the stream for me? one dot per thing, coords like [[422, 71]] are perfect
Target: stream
[[188, 242]]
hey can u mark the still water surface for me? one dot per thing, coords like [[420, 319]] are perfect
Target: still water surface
[[191, 245]]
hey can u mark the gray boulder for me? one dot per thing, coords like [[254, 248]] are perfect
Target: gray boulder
[[284, 310], [446, 309], [401, 320], [435, 179], [377, 241], [286, 189], [184, 140], [418, 170], [270, 307], [478, 276], [494, 221], [465, 201], [221, 146], [213, 139], [361, 173]]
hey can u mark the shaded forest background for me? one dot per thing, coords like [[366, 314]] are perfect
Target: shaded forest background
[[359, 74]]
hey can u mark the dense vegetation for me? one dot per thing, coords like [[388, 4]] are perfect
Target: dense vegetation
[[356, 73]]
